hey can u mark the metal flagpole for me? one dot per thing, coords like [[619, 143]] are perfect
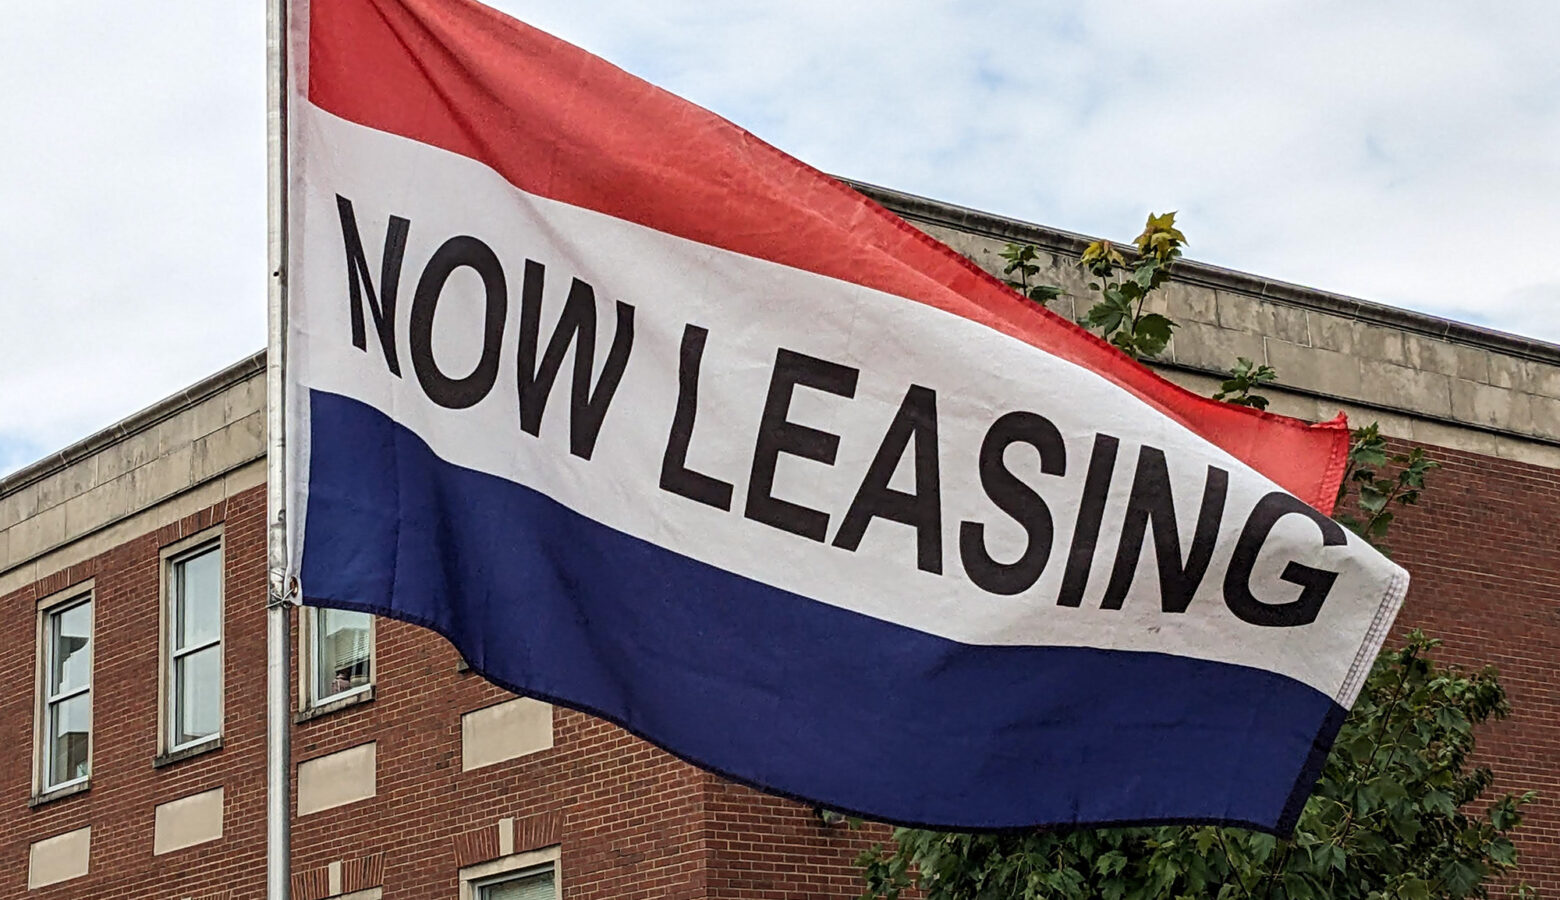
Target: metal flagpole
[[278, 766]]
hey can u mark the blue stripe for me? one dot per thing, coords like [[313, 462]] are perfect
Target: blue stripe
[[783, 692]]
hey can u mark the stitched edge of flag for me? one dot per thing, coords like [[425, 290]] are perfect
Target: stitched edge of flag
[[1375, 636]]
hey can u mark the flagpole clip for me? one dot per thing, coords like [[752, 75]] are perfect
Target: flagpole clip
[[282, 591]]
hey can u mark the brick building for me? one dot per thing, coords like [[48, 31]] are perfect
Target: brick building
[[132, 697]]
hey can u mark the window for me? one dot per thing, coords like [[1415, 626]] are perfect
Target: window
[[534, 884], [65, 754], [532, 875], [194, 647], [340, 658]]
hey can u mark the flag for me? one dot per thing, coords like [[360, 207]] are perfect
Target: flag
[[653, 421]]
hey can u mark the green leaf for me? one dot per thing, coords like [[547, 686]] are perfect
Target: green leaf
[[1153, 333], [1330, 856], [1045, 293], [1439, 802], [1105, 316]]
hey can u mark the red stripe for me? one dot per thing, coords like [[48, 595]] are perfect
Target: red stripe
[[560, 123]]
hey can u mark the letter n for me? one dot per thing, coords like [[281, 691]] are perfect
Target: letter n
[[360, 282]]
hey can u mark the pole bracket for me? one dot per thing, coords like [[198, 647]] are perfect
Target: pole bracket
[[282, 591]]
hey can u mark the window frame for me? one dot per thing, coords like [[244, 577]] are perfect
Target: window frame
[[168, 691], [308, 662], [474, 878], [47, 609]]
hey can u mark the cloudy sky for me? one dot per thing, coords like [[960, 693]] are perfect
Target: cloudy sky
[[1405, 152]]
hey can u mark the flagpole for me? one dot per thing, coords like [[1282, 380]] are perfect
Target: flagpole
[[278, 737]]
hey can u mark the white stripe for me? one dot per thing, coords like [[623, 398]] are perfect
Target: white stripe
[[752, 307]]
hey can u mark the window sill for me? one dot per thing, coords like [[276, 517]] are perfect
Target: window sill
[[60, 793], [183, 753], [333, 706]]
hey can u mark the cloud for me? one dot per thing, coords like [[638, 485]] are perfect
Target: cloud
[[133, 183], [1403, 153], [1399, 152]]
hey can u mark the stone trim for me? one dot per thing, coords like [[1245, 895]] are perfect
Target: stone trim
[[1303, 391], [972, 221], [135, 423], [310, 713], [69, 790], [1477, 389], [163, 760]]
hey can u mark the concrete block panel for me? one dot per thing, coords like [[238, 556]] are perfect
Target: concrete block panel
[[15, 507], [1330, 332], [1242, 313], [1337, 374], [1454, 437], [163, 477], [231, 445], [174, 432], [1405, 388], [1524, 375], [59, 858], [1470, 363], [1211, 347], [186, 822], [71, 481], [338, 779], [1380, 343], [99, 506], [1190, 303], [508, 730], [1483, 404], [210, 414], [1530, 452], [128, 454], [1546, 415], [35, 534]]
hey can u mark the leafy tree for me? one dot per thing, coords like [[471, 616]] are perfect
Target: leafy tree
[[1399, 812]]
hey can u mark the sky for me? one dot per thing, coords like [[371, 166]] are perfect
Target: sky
[[1407, 153]]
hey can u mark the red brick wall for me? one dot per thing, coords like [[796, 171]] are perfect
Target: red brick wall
[[633, 821], [125, 785], [1483, 547]]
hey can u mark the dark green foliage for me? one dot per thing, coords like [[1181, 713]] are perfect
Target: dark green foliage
[[1245, 376], [1021, 263], [1378, 479]]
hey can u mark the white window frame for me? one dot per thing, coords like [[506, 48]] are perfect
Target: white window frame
[[532, 861], [168, 690], [49, 607], [308, 659]]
